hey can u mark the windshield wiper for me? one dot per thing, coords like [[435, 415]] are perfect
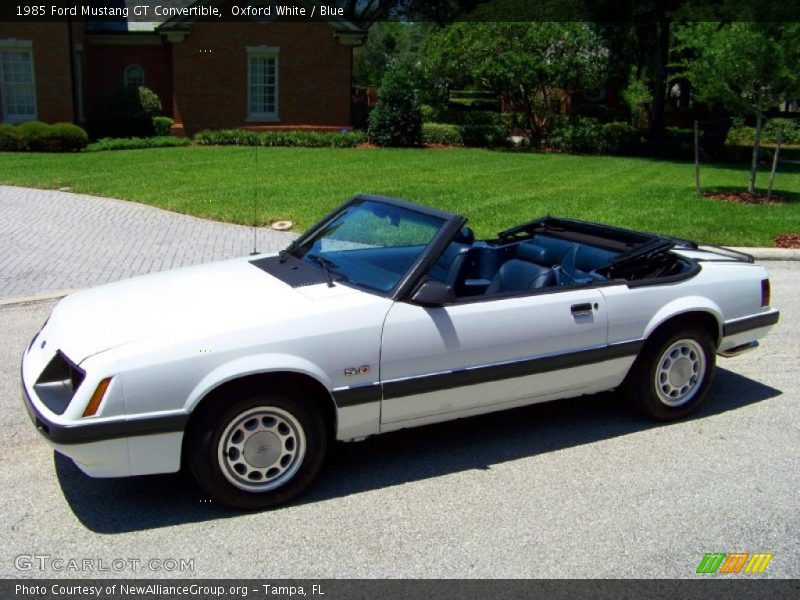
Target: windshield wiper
[[326, 265]]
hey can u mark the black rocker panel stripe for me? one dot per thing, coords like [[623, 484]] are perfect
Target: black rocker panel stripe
[[749, 323], [465, 377], [362, 394]]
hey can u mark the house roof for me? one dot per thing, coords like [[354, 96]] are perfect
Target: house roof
[[179, 23]]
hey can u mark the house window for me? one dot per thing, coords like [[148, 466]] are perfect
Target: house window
[[134, 76], [262, 75], [17, 85]]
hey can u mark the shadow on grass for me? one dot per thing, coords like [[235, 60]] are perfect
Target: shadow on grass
[[790, 197], [139, 503]]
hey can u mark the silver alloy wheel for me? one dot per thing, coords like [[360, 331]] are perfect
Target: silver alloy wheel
[[680, 372], [261, 448]]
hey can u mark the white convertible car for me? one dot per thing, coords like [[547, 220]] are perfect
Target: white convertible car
[[384, 315]]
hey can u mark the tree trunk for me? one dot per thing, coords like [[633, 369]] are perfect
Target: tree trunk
[[756, 149], [660, 84], [527, 106]]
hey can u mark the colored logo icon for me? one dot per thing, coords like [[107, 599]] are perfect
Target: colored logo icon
[[734, 562]]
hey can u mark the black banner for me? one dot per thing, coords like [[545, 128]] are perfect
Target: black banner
[[397, 589], [442, 11]]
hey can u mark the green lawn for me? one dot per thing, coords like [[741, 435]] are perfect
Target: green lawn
[[494, 189]]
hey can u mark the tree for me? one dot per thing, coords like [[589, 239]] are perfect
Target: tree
[[388, 43], [397, 119], [748, 67], [534, 65]]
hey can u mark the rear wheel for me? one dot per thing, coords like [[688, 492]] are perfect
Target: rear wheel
[[673, 375], [256, 452]]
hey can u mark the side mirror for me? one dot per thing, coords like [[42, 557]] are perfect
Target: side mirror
[[434, 294]]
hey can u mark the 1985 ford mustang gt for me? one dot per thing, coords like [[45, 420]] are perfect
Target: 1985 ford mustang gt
[[384, 315]]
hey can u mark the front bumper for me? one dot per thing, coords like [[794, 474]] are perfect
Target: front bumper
[[112, 448], [106, 458]]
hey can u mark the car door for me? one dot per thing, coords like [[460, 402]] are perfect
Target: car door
[[475, 355]]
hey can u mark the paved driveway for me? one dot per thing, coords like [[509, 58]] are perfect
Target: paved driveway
[[56, 240], [577, 488]]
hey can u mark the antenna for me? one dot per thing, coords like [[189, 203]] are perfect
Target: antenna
[[255, 206]]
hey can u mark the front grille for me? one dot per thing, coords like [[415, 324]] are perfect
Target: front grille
[[58, 383]]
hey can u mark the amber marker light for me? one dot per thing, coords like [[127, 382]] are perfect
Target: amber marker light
[[97, 398]]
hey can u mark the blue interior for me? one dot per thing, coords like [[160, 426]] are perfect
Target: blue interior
[[475, 267], [538, 262]]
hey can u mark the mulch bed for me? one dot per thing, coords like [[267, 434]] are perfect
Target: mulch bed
[[788, 240], [745, 197]]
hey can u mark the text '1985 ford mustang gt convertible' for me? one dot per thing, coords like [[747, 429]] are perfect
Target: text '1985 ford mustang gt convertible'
[[384, 315]]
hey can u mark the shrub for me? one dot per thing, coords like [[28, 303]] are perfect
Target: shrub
[[475, 127], [137, 143], [580, 134], [149, 101], [66, 137], [790, 127], [587, 135], [622, 138], [441, 133], [397, 119], [41, 137], [162, 125], [484, 128], [126, 112], [34, 135], [10, 139], [304, 139], [740, 135], [673, 143], [226, 137], [428, 113], [445, 112]]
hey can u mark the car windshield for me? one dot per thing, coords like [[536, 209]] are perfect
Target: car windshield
[[371, 244]]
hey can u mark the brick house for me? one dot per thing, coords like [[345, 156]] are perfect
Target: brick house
[[208, 74]]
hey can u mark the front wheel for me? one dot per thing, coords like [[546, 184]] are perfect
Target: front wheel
[[256, 452], [673, 375]]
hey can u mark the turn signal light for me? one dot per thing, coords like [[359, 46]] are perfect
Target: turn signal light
[[765, 292], [97, 398]]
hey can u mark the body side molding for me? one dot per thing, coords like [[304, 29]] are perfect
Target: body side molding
[[465, 377], [748, 323]]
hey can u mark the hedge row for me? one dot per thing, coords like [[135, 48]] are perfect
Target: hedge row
[[585, 135], [137, 143], [744, 136], [479, 136], [441, 134], [36, 136], [478, 128], [300, 139]]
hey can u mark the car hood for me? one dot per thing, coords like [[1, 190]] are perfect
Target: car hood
[[187, 303]]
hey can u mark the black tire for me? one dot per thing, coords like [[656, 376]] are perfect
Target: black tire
[[656, 380], [225, 475]]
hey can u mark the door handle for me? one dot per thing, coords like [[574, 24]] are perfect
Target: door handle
[[581, 309]]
